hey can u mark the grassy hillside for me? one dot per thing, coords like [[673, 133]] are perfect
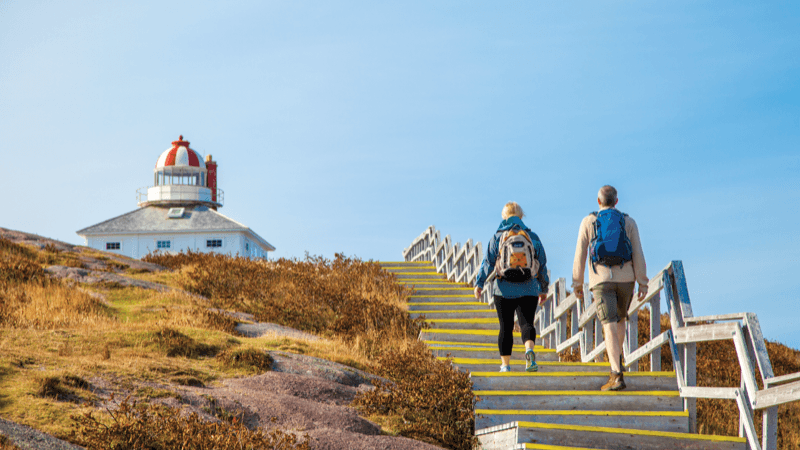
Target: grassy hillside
[[62, 340]]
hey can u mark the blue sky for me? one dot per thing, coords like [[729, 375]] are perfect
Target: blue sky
[[352, 126]]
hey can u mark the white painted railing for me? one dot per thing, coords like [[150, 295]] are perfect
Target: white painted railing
[[459, 263], [565, 322]]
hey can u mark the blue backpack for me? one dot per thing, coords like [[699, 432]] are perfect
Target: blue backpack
[[610, 245]]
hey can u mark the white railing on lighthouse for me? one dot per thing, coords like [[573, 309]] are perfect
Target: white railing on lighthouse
[[461, 264]]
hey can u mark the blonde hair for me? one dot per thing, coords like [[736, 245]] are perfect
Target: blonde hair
[[607, 195], [512, 209]]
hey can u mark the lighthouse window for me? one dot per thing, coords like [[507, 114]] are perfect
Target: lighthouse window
[[214, 243], [162, 244], [112, 246]]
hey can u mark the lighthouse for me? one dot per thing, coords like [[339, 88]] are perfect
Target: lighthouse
[[178, 212]]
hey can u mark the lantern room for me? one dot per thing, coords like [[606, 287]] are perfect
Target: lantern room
[[181, 177]]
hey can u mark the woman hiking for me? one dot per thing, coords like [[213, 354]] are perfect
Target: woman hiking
[[517, 256]]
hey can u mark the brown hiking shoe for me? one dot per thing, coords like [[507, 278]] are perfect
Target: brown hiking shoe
[[616, 382]]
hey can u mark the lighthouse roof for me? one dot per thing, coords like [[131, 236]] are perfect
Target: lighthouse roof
[[180, 155], [156, 220]]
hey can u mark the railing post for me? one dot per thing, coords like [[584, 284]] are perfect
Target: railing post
[[631, 339], [599, 337], [655, 330], [683, 309], [769, 429], [588, 331], [547, 317], [561, 330]]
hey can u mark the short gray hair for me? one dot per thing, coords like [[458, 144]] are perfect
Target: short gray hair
[[607, 195]]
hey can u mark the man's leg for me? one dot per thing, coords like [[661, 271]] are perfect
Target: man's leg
[[621, 332], [612, 334]]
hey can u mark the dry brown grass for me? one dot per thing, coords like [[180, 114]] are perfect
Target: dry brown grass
[[56, 337], [157, 427], [359, 305]]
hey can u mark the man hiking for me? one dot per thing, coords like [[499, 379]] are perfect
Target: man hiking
[[616, 263], [517, 256]]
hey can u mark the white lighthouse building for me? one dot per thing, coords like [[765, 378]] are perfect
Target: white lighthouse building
[[179, 212]]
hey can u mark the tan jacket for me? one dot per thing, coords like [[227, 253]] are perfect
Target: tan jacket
[[634, 270]]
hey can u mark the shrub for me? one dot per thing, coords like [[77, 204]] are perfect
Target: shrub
[[19, 264], [432, 398], [252, 360], [157, 427], [176, 343], [64, 387]]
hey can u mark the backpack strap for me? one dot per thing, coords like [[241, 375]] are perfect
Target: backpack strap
[[591, 242]]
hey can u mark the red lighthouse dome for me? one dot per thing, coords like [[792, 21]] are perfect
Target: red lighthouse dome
[[180, 155]]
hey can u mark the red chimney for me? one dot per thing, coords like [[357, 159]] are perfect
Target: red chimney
[[212, 177]]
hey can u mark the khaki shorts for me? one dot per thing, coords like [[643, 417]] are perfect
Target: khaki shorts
[[615, 299]]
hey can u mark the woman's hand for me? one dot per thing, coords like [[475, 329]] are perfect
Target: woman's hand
[[542, 299], [478, 292]]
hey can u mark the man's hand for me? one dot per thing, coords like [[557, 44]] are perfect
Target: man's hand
[[579, 292], [478, 292], [542, 298], [642, 291]]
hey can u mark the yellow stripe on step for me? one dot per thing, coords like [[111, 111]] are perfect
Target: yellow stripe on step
[[521, 350], [454, 288], [466, 332], [572, 412], [666, 434], [454, 311], [426, 263], [554, 447], [479, 344], [444, 296], [477, 320], [570, 374], [522, 362], [432, 272], [445, 304], [574, 393], [427, 281]]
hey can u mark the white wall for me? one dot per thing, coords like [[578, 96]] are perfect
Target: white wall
[[139, 245]]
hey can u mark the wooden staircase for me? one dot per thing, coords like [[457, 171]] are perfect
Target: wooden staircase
[[560, 407]]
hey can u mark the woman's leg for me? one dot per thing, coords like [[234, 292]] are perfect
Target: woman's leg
[[526, 312], [505, 338]]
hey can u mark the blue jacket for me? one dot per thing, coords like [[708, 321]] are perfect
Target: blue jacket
[[538, 284]]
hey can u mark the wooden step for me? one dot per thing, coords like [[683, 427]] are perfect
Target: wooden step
[[429, 283], [433, 314], [463, 335], [443, 290], [547, 380], [484, 323], [489, 351], [444, 298], [674, 421], [409, 268], [591, 400], [441, 307], [518, 364], [622, 438], [420, 275]]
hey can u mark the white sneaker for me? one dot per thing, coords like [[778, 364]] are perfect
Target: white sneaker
[[505, 368]]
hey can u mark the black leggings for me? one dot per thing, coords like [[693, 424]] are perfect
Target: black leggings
[[525, 307]]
